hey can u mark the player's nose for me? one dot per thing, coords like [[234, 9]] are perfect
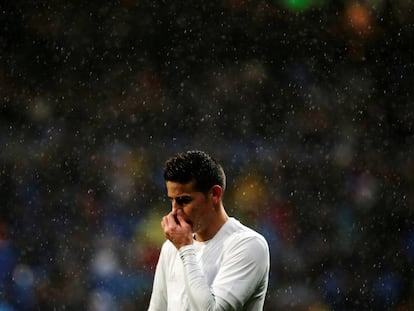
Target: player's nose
[[174, 205]]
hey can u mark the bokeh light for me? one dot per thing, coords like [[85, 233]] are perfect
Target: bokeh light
[[298, 5], [359, 19]]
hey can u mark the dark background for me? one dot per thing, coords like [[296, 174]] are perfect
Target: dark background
[[307, 104]]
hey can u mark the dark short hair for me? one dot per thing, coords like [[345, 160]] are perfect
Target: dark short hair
[[195, 166]]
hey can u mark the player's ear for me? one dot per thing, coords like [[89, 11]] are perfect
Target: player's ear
[[216, 193]]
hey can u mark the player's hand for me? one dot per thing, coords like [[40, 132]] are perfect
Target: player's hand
[[176, 229]]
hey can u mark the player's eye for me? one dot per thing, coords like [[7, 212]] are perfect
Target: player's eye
[[183, 200]]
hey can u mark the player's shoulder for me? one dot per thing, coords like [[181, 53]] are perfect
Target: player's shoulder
[[168, 248], [244, 234]]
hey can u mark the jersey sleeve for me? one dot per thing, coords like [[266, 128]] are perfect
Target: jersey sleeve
[[244, 267], [158, 301]]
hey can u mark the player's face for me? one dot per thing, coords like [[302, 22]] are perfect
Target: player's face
[[194, 204]]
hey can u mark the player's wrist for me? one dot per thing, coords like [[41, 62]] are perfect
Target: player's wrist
[[185, 248]]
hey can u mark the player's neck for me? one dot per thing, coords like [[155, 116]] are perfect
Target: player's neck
[[215, 225]]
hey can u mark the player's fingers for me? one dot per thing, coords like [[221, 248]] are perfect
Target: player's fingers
[[180, 217], [164, 222]]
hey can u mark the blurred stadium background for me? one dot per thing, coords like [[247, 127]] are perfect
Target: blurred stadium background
[[308, 105]]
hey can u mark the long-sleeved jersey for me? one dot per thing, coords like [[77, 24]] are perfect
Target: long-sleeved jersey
[[228, 272]]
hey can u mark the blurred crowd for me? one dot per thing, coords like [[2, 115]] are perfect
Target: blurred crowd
[[307, 104]]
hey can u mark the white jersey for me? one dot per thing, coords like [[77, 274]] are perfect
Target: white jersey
[[228, 272]]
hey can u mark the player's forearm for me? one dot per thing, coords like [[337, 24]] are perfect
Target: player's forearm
[[199, 293]]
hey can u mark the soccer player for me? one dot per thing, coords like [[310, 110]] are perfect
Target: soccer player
[[210, 261]]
